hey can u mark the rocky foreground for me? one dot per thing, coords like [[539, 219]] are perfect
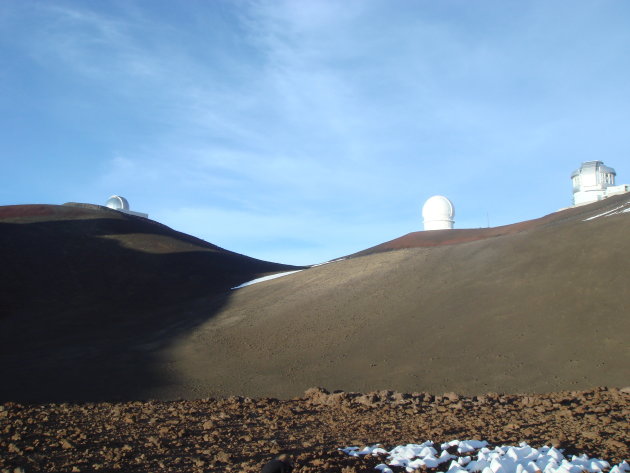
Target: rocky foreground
[[241, 434]]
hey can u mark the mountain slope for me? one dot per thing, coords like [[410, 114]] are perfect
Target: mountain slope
[[541, 307], [611, 206], [77, 255], [83, 286], [536, 306]]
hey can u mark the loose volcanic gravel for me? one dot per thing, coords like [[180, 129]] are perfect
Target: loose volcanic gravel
[[242, 434]]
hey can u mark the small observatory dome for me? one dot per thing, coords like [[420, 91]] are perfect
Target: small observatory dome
[[438, 213], [117, 202]]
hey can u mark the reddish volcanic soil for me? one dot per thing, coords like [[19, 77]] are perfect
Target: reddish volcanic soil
[[241, 434], [455, 236]]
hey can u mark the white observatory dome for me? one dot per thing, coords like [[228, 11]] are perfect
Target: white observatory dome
[[438, 213], [117, 202], [591, 182]]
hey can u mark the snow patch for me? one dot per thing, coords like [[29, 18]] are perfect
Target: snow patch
[[502, 459], [328, 262], [266, 278], [608, 213]]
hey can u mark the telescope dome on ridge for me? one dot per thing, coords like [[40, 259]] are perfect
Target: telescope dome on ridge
[[117, 202], [438, 213]]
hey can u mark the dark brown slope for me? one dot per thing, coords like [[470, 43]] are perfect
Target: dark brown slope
[[82, 285], [539, 310], [78, 255]]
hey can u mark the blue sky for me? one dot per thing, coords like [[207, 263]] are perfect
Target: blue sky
[[300, 131]]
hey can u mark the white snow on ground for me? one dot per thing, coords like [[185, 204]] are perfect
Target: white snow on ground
[[266, 278], [503, 459], [279, 275], [328, 262], [608, 213]]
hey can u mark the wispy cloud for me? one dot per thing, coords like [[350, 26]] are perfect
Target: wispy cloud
[[338, 117]]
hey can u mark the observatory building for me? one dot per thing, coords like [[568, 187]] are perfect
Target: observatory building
[[438, 213], [117, 202], [594, 181]]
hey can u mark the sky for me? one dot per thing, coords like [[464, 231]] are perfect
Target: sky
[[299, 131]]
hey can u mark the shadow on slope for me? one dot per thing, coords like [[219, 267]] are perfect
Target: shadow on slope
[[543, 309], [91, 298]]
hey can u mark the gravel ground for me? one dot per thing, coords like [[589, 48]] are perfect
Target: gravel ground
[[241, 434]]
